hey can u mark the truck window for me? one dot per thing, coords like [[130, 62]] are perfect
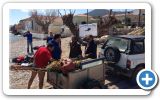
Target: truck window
[[121, 44], [138, 47]]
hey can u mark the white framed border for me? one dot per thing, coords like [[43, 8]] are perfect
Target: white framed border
[[9, 6], [147, 88]]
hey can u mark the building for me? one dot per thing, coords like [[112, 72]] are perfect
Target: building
[[136, 12], [133, 16], [30, 24]]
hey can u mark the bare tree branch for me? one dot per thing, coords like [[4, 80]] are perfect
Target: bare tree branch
[[60, 13], [65, 11], [70, 11], [74, 12], [105, 23], [68, 21], [44, 20]]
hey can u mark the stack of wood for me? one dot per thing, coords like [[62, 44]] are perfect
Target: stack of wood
[[138, 31]]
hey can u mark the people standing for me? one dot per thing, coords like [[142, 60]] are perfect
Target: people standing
[[91, 48], [50, 37], [29, 41], [41, 59], [75, 48], [56, 54]]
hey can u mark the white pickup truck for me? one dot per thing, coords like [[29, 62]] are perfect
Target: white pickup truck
[[126, 54]]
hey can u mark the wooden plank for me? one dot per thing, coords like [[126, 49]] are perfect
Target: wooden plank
[[19, 67]]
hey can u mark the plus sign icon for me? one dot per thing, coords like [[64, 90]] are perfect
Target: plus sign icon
[[147, 79]]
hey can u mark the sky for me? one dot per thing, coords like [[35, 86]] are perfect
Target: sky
[[18, 14]]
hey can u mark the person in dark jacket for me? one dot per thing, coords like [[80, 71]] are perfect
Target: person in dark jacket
[[75, 48], [29, 41], [50, 37], [91, 48], [56, 54]]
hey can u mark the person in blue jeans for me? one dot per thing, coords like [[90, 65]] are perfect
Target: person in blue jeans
[[29, 41], [56, 42]]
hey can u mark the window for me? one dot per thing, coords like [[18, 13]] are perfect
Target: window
[[121, 44], [138, 47]]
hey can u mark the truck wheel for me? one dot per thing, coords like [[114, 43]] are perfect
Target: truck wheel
[[112, 54], [92, 84], [134, 75]]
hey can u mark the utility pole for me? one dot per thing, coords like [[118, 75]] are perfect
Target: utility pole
[[139, 18], [110, 13], [125, 19], [87, 16]]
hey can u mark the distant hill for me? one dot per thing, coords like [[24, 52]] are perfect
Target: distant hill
[[102, 12], [98, 12]]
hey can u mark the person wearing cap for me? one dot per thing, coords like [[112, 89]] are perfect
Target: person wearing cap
[[42, 57]]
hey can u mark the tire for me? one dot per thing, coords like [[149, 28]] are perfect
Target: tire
[[92, 84], [112, 54], [134, 75]]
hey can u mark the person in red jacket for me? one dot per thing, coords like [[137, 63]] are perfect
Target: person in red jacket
[[41, 59]]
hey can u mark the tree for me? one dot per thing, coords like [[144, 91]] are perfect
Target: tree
[[13, 28], [44, 19], [68, 21], [139, 18], [105, 23], [128, 21]]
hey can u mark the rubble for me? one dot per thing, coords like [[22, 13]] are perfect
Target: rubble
[[138, 31]]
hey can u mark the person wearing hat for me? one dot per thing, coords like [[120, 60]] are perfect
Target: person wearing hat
[[42, 57]]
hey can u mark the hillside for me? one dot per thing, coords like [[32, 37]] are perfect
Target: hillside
[[102, 12]]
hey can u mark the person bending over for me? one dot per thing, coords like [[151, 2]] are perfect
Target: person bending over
[[41, 59]]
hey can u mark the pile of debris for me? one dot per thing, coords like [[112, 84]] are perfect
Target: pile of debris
[[138, 31]]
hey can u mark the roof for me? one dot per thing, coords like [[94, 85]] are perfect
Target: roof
[[26, 19], [83, 15], [132, 37]]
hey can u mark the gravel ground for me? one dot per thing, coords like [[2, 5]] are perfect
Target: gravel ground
[[19, 79]]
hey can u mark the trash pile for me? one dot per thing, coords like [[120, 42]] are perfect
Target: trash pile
[[138, 31]]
